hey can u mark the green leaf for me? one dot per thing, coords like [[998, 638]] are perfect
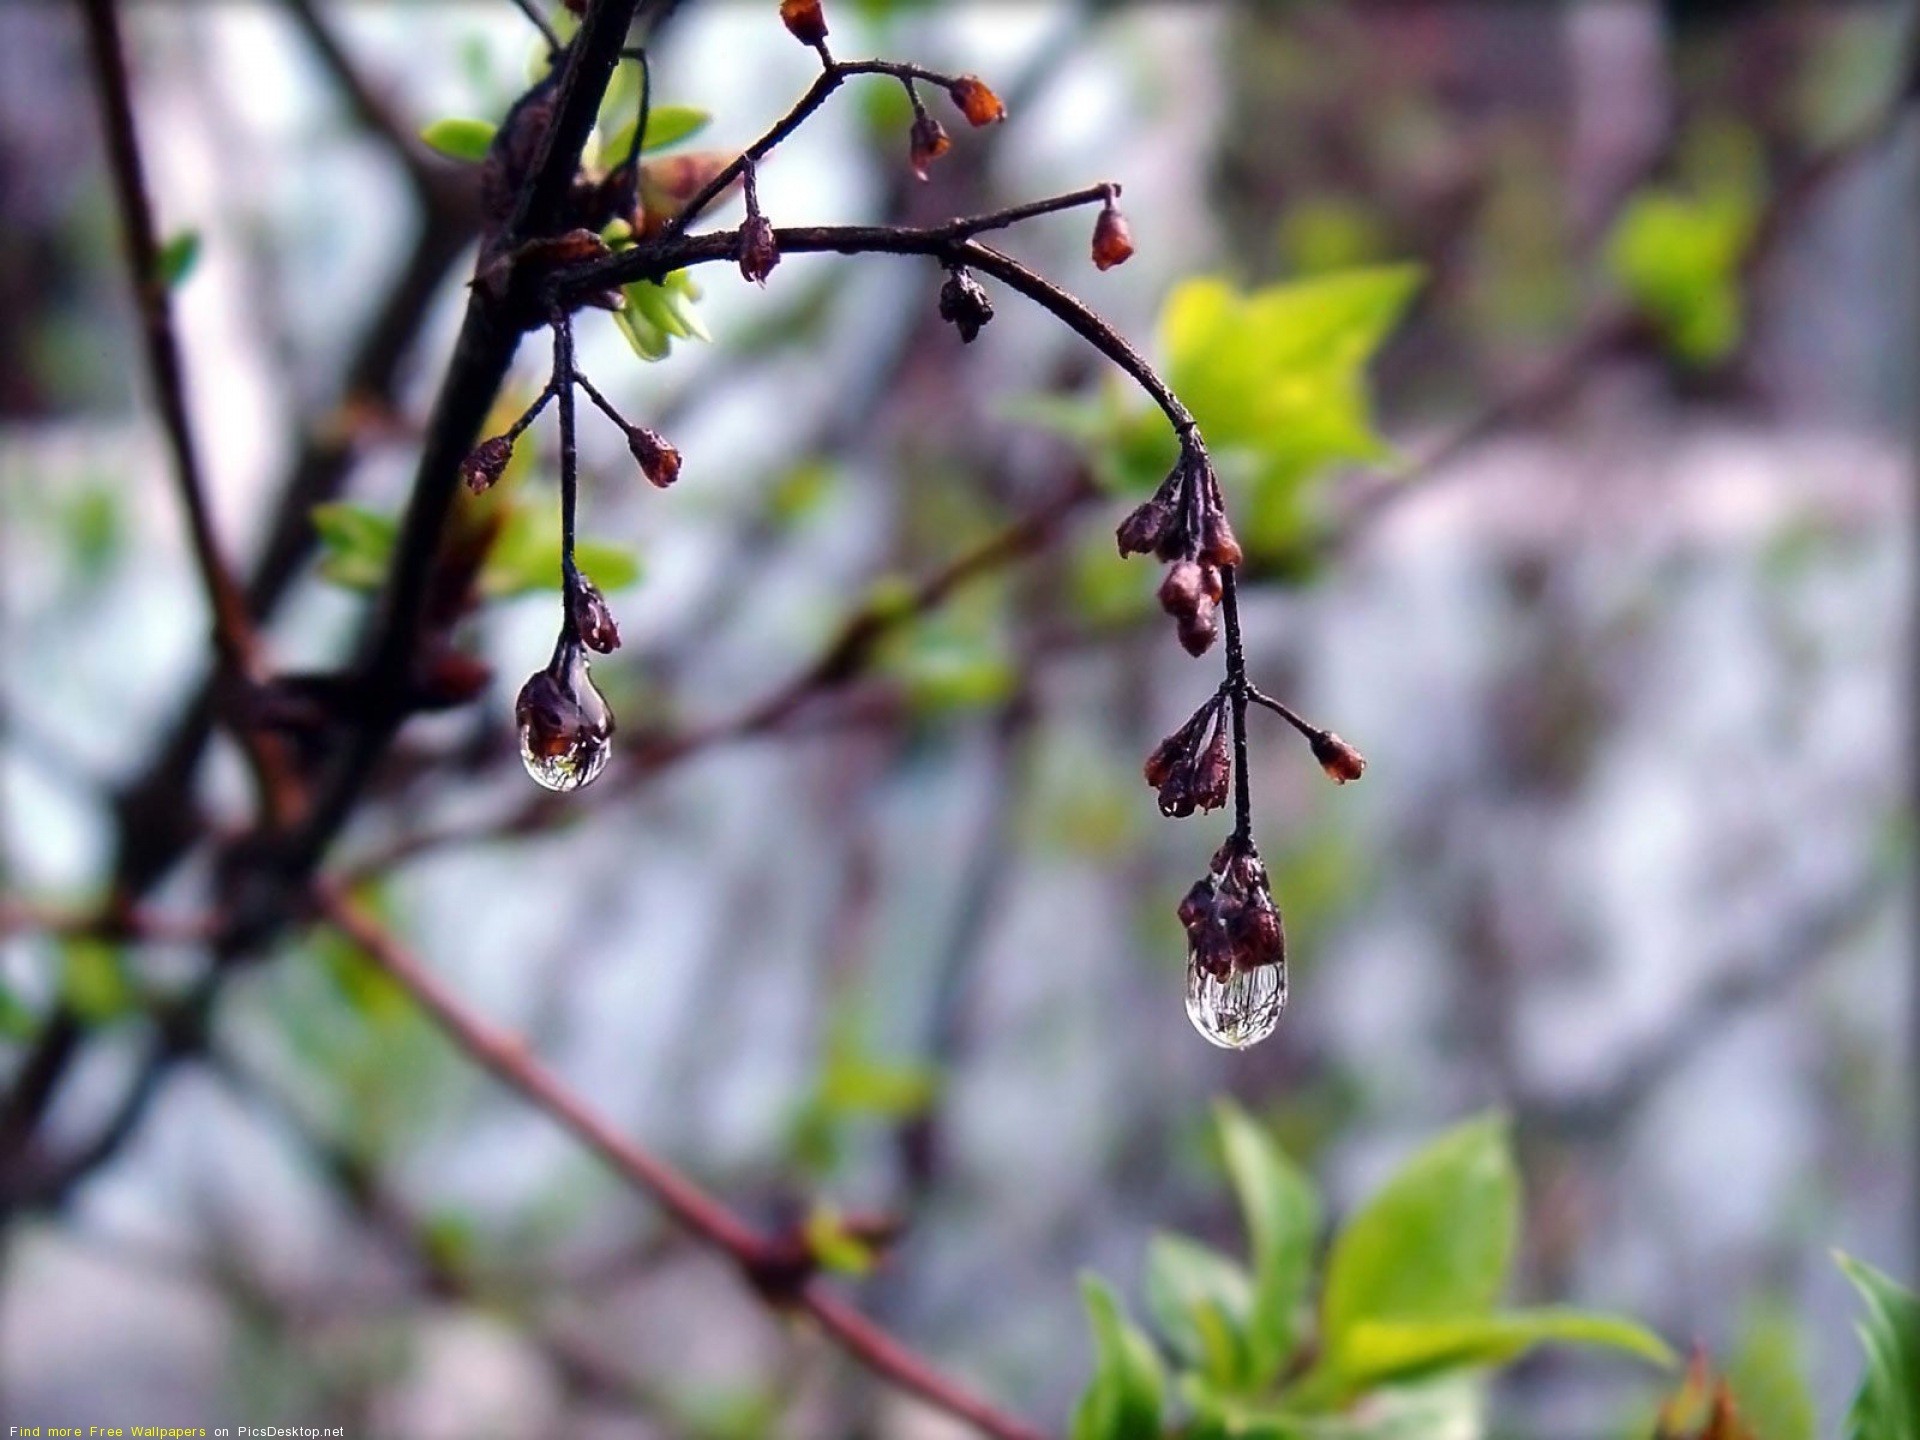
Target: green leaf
[[1768, 1375], [176, 259], [460, 139], [855, 1083], [1200, 1301], [526, 557], [1379, 1352], [356, 543], [1122, 1401], [1448, 1409], [1435, 1242], [1279, 375], [829, 1242], [1677, 256], [93, 980], [648, 340], [1887, 1406], [666, 125], [1282, 1214]]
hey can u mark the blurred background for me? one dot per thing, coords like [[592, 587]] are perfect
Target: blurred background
[[1602, 555]]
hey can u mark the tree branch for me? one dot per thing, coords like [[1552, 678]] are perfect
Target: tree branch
[[233, 630], [507, 1058]]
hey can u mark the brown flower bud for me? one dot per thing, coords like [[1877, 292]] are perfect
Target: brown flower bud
[[1211, 949], [1198, 631], [805, 20], [1112, 239], [1183, 592], [1339, 759], [1177, 750], [592, 619], [1218, 544], [1256, 933], [1141, 531], [926, 143], [964, 305], [1213, 772], [978, 103], [486, 463], [759, 252], [659, 461], [1197, 905]]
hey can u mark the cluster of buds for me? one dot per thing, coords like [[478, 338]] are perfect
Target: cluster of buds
[[1185, 524], [1231, 921], [964, 305], [1192, 768]]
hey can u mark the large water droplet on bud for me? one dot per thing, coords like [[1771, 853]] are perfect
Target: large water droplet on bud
[[566, 729], [1242, 1009]]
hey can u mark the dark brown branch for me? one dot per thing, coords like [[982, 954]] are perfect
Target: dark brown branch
[[508, 1060], [833, 74], [375, 114], [233, 630], [489, 336]]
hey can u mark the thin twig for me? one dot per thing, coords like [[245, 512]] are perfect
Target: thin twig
[[233, 630]]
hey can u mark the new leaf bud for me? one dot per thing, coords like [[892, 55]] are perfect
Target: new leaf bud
[[978, 103]]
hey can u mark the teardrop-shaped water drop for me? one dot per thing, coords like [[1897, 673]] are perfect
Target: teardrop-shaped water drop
[[567, 767], [566, 728], [1239, 1011]]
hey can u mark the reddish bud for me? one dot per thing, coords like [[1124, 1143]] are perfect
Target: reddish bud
[[978, 103], [759, 252], [659, 461], [1339, 759], [1198, 631], [1218, 544], [486, 463], [1257, 935], [1213, 772], [1196, 905], [1112, 239], [592, 620], [1182, 593], [1140, 533], [926, 143], [805, 20]]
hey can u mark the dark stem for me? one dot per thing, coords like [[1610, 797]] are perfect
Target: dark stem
[[632, 163], [232, 628], [948, 243], [1237, 697], [539, 22], [833, 73], [1286, 713], [563, 382]]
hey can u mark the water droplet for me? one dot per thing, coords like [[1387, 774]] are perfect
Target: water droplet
[[1239, 1011], [566, 728]]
